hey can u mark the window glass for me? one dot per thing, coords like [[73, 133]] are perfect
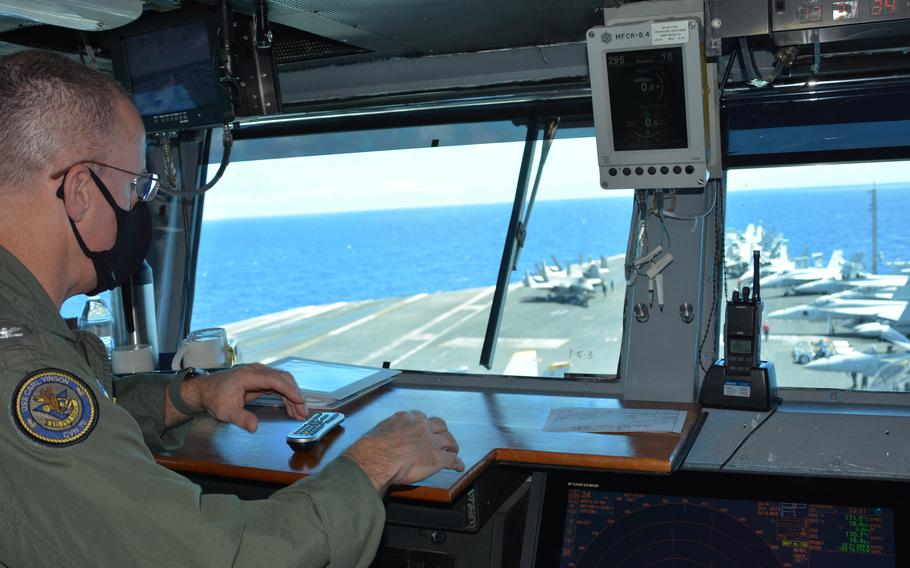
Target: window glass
[[72, 308], [834, 270], [368, 254], [565, 307]]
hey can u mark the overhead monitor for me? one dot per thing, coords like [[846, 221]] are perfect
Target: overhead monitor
[[170, 68], [649, 97], [723, 520]]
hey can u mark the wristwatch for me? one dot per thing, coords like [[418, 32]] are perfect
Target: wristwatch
[[173, 390]]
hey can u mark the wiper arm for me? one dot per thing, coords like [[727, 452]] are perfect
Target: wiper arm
[[518, 231]]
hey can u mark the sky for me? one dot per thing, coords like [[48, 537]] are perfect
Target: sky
[[462, 175]]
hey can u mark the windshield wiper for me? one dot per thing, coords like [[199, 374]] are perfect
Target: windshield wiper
[[518, 230]]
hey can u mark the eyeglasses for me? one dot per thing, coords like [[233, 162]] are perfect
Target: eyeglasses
[[145, 185]]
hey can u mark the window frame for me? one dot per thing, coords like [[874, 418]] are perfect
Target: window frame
[[574, 113]]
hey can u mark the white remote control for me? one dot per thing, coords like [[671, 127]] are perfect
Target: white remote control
[[313, 429]]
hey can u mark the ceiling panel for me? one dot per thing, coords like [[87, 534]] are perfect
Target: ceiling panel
[[446, 26]]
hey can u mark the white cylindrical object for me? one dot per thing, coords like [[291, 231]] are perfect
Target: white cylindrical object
[[206, 352], [128, 359]]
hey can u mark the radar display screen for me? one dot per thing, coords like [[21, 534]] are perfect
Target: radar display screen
[[647, 99], [606, 528]]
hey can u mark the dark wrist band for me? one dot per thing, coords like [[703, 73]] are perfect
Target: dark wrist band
[[173, 390]]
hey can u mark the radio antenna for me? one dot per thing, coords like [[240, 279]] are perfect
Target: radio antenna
[[756, 285]]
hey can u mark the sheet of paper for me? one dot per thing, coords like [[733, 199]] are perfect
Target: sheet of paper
[[617, 420]]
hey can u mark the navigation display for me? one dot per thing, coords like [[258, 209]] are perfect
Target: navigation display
[[171, 70], [647, 99], [604, 528]]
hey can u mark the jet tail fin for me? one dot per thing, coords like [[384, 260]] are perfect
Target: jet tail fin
[[904, 318], [902, 293], [894, 337], [837, 260]]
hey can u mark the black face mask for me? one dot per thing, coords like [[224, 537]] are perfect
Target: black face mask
[[134, 236]]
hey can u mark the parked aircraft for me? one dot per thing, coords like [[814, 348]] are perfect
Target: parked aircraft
[[866, 283], [841, 306], [881, 367], [795, 277], [574, 285]]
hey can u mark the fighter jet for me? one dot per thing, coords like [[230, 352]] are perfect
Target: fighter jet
[[792, 278], [867, 364], [840, 307], [868, 283], [574, 285], [882, 368]]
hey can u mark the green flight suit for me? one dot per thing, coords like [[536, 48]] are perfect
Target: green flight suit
[[101, 500]]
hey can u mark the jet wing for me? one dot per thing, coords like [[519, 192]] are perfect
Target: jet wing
[[890, 312]]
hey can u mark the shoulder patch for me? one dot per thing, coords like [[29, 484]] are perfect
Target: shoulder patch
[[14, 334], [55, 408]]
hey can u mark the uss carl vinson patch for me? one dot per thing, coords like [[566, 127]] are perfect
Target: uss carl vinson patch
[[55, 407]]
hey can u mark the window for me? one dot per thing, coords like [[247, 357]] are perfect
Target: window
[[383, 246], [834, 270]]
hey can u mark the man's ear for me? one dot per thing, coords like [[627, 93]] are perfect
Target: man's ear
[[77, 194]]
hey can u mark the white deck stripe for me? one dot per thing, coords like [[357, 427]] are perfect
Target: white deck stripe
[[522, 343], [380, 313], [422, 329]]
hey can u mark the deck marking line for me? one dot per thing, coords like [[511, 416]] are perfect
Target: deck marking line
[[441, 317], [522, 343], [295, 314], [420, 347], [323, 337], [380, 313]]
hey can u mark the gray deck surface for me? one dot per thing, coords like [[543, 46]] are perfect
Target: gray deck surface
[[443, 331]]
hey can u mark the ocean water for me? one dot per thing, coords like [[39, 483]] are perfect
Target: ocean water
[[250, 267]]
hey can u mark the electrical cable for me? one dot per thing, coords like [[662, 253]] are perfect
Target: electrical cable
[[748, 60], [638, 238], [228, 142], [718, 262], [696, 217], [777, 403]]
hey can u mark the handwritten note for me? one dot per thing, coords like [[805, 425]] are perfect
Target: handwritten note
[[615, 420]]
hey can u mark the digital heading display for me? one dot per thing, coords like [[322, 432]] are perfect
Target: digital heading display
[[647, 99]]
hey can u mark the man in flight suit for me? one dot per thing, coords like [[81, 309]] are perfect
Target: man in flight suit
[[78, 484]]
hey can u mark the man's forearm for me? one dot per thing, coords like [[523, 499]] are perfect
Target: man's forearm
[[191, 395]]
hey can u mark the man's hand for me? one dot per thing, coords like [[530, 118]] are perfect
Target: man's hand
[[405, 449], [224, 394]]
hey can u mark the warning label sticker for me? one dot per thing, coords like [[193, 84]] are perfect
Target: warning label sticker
[[667, 33]]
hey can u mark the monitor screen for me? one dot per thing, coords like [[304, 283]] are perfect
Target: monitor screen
[[636, 529], [711, 519], [647, 99], [171, 69]]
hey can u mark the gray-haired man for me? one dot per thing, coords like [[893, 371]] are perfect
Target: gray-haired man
[[78, 485]]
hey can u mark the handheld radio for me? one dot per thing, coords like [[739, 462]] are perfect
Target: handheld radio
[[742, 336], [741, 380]]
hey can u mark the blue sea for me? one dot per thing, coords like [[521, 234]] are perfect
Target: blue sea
[[250, 267]]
